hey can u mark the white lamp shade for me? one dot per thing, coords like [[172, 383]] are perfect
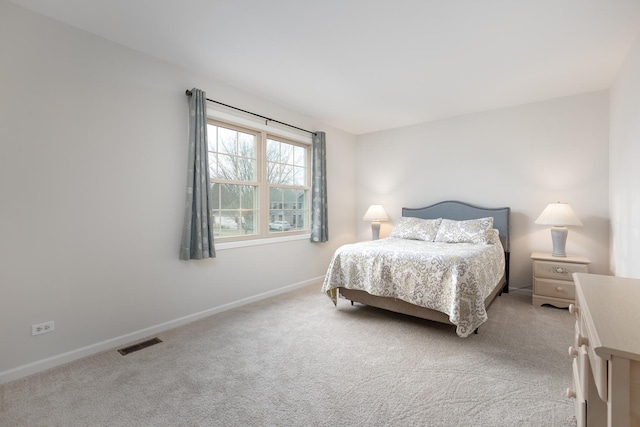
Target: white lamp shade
[[558, 214], [376, 213]]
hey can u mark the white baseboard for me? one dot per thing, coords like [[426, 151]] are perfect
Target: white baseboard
[[70, 356]]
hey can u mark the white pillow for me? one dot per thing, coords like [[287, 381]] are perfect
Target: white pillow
[[468, 231], [416, 229]]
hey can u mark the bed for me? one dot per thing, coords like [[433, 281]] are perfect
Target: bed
[[446, 262]]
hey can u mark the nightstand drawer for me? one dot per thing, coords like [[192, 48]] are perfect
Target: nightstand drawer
[[554, 288], [558, 270]]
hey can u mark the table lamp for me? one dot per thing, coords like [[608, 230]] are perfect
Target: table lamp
[[558, 215], [375, 214]]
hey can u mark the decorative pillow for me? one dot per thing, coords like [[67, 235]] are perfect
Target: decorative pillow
[[469, 231], [416, 228]]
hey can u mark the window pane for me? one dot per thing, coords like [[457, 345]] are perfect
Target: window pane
[[215, 195], [230, 196], [283, 161], [299, 177], [275, 198], [213, 165], [290, 198], [288, 209], [273, 167], [286, 175], [246, 145], [227, 140], [247, 148], [226, 169], [245, 169], [248, 199], [299, 156], [228, 220], [307, 200], [232, 155], [286, 153], [273, 150], [235, 223], [272, 171], [235, 209], [212, 137], [276, 173], [232, 168], [301, 214], [250, 222]]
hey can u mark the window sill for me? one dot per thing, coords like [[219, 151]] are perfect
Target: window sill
[[257, 242]]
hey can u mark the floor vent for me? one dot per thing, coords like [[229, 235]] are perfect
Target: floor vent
[[139, 346]]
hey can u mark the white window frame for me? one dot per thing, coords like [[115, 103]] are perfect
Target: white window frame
[[265, 236]]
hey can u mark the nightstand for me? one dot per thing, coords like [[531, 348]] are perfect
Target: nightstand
[[553, 278]]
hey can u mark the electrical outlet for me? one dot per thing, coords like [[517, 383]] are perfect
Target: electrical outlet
[[42, 328]]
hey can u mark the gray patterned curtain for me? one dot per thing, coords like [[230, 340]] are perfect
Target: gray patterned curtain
[[319, 226], [197, 234]]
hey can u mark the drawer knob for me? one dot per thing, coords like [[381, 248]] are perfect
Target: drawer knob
[[573, 309], [559, 289], [581, 340], [559, 270], [573, 352], [571, 394]]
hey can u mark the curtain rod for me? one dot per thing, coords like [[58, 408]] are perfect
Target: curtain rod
[[188, 93]]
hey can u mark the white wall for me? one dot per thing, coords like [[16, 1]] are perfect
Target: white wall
[[92, 188], [624, 174], [523, 157]]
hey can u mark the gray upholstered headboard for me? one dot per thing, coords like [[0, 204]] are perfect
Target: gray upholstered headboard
[[460, 211]]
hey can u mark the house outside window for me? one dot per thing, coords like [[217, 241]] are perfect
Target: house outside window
[[260, 183]]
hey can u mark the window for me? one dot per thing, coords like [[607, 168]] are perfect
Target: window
[[260, 183]]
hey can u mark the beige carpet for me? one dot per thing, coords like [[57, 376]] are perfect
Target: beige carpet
[[296, 360]]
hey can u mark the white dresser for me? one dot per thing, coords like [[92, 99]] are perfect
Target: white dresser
[[606, 351]]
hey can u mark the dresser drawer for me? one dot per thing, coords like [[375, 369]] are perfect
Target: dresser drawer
[[558, 270], [581, 367], [580, 402], [598, 364], [554, 288]]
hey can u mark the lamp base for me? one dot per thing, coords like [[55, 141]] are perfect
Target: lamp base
[[559, 238], [375, 230]]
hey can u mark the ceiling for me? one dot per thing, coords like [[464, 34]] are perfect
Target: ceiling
[[364, 66]]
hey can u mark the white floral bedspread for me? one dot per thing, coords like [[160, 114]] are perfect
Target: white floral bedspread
[[453, 278]]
